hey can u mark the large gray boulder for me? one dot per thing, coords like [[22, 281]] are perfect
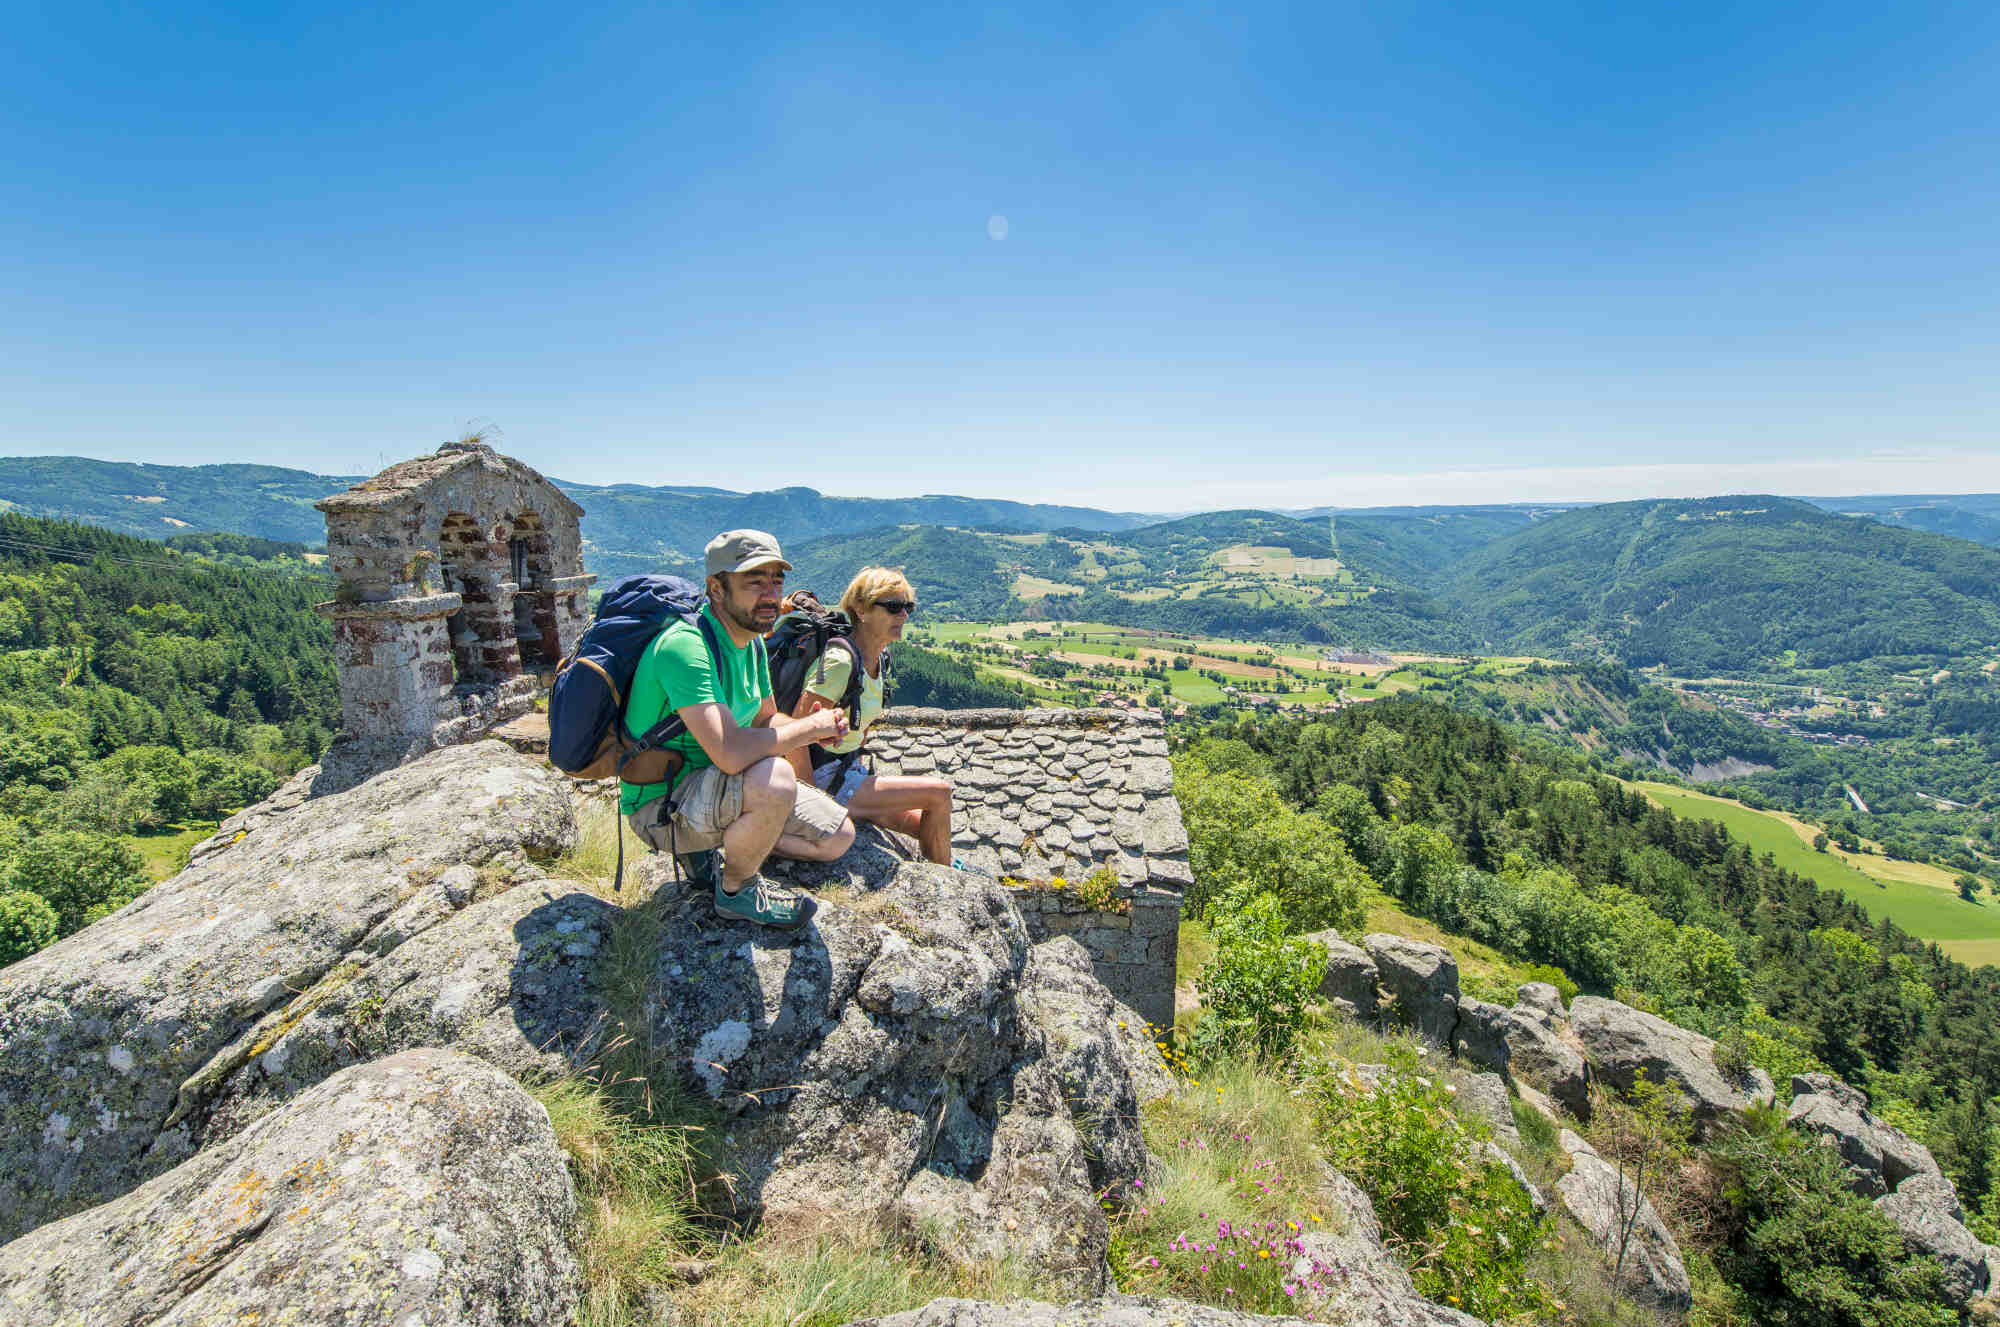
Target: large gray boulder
[[910, 1059], [1879, 1157], [1351, 979], [426, 1187], [1480, 1035], [1538, 999], [1543, 1051], [1925, 1219], [99, 1032], [1423, 981], [513, 980], [1610, 1206], [1619, 1041]]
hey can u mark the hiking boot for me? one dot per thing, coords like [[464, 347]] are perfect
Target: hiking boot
[[960, 864], [763, 903], [703, 869]]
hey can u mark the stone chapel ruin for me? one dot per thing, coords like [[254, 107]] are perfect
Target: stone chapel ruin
[[460, 581]]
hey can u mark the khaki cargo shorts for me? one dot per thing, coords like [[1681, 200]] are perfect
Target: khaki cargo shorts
[[711, 801]]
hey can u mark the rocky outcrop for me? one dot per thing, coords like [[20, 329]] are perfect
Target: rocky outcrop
[[99, 1032], [1422, 979], [425, 1187], [1879, 1157], [1886, 1164], [910, 1058], [1929, 1227], [1618, 1216], [1620, 1041], [1350, 979]]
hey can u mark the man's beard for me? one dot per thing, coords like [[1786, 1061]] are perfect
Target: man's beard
[[742, 621]]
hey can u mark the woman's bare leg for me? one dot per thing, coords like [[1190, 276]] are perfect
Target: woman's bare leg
[[909, 804]]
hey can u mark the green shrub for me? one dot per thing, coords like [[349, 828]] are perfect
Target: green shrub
[[1260, 983], [1804, 1252], [26, 924], [1461, 1223]]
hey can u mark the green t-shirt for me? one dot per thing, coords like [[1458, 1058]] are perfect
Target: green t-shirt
[[827, 679], [674, 673]]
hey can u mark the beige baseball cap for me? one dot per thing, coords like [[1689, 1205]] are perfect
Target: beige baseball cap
[[740, 550]]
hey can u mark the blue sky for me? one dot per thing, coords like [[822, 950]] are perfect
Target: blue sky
[[1252, 254]]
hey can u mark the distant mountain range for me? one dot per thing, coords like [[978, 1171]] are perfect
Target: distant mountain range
[[1707, 584], [628, 526]]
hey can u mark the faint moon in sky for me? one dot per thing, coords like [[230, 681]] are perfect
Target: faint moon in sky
[[996, 226]]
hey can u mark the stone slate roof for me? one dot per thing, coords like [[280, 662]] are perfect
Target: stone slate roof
[[1042, 793], [403, 480]]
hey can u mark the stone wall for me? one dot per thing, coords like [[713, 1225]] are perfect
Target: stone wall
[[1042, 795]]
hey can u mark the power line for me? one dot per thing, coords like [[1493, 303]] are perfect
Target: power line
[[91, 555]]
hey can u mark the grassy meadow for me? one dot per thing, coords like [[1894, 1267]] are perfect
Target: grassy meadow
[[1921, 899]]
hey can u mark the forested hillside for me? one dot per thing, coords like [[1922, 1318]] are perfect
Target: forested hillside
[[1729, 584], [1247, 574], [154, 501], [143, 687], [1533, 854]]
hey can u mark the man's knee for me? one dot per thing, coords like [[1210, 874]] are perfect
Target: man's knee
[[769, 782], [937, 797]]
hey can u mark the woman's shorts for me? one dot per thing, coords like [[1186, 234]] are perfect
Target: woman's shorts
[[857, 773], [711, 801]]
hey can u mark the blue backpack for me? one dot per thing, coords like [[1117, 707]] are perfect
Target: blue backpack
[[587, 737]]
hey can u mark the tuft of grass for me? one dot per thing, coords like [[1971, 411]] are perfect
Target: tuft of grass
[[637, 1196], [1239, 1169], [824, 1278], [593, 861]]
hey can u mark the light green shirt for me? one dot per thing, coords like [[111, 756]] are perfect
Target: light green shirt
[[828, 680], [675, 672]]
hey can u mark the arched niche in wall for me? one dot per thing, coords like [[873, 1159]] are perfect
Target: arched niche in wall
[[533, 570], [462, 562]]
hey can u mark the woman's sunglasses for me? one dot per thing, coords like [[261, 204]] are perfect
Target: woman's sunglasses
[[898, 607]]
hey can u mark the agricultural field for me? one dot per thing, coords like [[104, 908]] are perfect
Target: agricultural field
[[1074, 662], [1919, 898]]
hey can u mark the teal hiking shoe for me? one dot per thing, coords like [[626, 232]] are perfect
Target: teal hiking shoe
[[764, 904], [960, 864], [703, 869]]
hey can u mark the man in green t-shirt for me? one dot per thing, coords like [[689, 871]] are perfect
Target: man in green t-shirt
[[735, 790]]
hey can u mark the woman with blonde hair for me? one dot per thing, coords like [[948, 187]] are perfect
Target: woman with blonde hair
[[878, 605]]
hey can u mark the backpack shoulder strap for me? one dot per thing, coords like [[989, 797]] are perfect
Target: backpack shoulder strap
[[671, 725]]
